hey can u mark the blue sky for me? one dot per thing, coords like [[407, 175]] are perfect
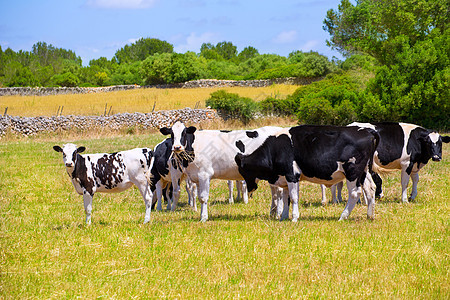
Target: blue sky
[[95, 28]]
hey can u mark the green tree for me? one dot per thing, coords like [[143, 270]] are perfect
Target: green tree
[[226, 49], [411, 41], [141, 49], [247, 53]]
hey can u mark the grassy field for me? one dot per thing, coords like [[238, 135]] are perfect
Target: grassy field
[[138, 100], [47, 251]]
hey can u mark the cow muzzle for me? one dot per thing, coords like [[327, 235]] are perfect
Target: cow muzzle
[[177, 148], [69, 165], [436, 158]]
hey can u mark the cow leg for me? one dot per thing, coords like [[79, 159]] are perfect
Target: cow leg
[[293, 193], [87, 199], [275, 201], [338, 198], [230, 191], [243, 189], [285, 213], [369, 188], [146, 193], [203, 195], [405, 181], [191, 189], [378, 182], [175, 192], [354, 192], [159, 195], [415, 181], [324, 194]]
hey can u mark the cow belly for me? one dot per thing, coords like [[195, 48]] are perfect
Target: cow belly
[[336, 177], [119, 188], [394, 165]]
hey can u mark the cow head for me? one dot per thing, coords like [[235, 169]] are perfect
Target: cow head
[[432, 144], [182, 136], [69, 152]]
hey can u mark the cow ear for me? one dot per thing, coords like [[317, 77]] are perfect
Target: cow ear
[[57, 149], [445, 139], [81, 149], [191, 129], [165, 130]]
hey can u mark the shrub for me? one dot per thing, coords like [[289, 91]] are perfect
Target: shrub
[[231, 105]]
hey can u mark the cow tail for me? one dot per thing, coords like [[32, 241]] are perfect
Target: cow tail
[[375, 143], [373, 166]]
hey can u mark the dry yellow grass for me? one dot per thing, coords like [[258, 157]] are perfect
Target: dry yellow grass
[[139, 100]]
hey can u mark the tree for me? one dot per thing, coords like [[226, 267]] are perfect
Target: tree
[[141, 49], [379, 27], [247, 53], [226, 49], [411, 40]]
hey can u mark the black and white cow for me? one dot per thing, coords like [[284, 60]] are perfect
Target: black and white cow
[[209, 154], [107, 173], [319, 154], [405, 147]]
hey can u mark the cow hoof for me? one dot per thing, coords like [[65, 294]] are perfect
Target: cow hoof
[[371, 218], [146, 221], [203, 220], [342, 218], [294, 220]]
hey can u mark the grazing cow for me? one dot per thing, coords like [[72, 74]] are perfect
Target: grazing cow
[[208, 154], [319, 154], [159, 175], [405, 147], [107, 173]]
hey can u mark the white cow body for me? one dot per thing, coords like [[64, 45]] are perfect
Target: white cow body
[[107, 173]]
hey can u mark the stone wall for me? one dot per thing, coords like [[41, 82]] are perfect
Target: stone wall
[[201, 83], [33, 125]]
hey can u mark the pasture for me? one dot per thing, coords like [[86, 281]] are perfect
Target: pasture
[[48, 252], [138, 100]]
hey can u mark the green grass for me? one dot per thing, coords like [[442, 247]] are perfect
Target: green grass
[[47, 251]]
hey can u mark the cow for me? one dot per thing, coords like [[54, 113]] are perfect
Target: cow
[[208, 154], [405, 147], [319, 154], [107, 173], [158, 174], [165, 169]]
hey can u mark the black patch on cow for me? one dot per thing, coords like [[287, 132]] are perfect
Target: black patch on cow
[[225, 131], [274, 158], [252, 134], [240, 145], [109, 170], [391, 143], [80, 174], [160, 166]]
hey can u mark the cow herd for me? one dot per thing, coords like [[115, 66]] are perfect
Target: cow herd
[[326, 155]]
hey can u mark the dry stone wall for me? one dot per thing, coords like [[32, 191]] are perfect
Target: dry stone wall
[[27, 126], [201, 83]]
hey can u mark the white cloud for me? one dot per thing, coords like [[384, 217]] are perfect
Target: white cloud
[[194, 42], [309, 45], [286, 37], [121, 4]]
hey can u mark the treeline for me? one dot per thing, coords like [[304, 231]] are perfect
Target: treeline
[[152, 61], [397, 69]]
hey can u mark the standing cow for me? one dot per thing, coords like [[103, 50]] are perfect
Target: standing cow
[[405, 147], [209, 154], [107, 173], [319, 154]]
